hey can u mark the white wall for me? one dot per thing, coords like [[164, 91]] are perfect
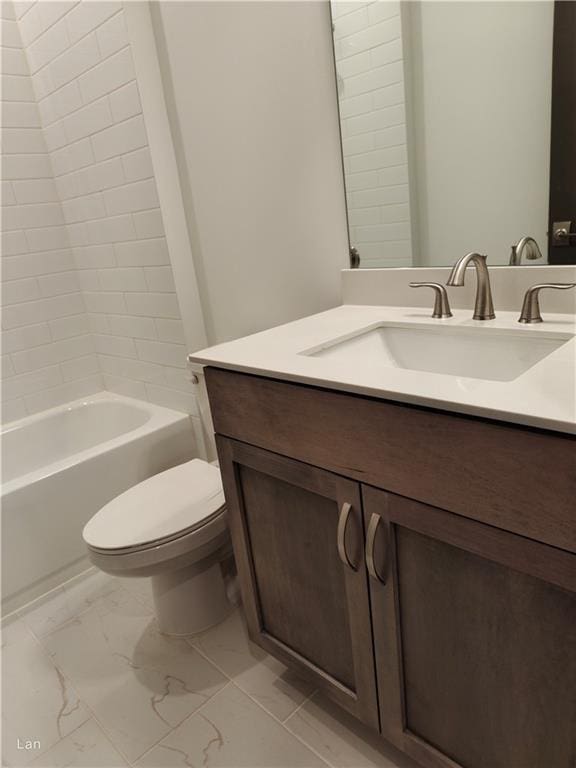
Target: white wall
[[105, 194], [254, 117], [481, 99], [370, 68]]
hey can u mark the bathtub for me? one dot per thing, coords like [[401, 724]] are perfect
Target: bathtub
[[60, 466]]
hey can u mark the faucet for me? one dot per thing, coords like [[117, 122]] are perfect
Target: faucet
[[483, 308], [533, 252]]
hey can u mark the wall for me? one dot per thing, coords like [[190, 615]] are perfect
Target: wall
[[259, 155], [88, 99], [370, 68], [48, 354], [482, 100]]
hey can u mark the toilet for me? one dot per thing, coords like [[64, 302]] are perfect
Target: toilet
[[171, 527]]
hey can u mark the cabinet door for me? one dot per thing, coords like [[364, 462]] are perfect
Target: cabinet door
[[297, 533], [475, 639]]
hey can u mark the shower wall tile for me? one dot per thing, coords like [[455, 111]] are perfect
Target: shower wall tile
[[92, 289]]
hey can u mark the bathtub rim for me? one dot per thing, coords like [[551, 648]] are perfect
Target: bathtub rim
[[159, 417]]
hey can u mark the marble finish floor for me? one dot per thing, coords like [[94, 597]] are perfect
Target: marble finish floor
[[88, 681]]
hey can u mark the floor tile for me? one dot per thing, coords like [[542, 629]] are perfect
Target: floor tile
[[48, 613], [86, 747], [138, 683], [141, 588], [264, 678], [230, 731], [340, 739], [38, 702]]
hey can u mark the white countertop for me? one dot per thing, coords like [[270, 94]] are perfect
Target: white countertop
[[543, 396]]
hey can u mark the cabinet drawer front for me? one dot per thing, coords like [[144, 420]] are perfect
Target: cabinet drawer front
[[304, 603], [514, 478], [475, 631]]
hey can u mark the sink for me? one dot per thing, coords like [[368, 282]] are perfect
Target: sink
[[478, 353]]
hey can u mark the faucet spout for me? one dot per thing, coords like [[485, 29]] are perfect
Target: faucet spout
[[483, 307]]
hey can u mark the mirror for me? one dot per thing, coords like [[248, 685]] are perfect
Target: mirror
[[446, 117]]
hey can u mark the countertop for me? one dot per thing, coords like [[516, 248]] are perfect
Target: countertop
[[543, 396]]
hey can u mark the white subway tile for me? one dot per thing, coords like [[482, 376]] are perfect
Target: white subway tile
[[30, 216], [13, 410], [391, 137], [351, 22], [72, 157], [14, 61], [132, 369], [177, 378], [380, 77], [22, 6], [383, 196], [77, 59], [43, 83], [13, 243], [78, 234], [16, 291], [386, 54], [35, 191], [120, 138], [383, 232], [7, 12], [33, 312], [162, 353], [86, 16], [125, 102], [22, 141], [112, 36], [107, 76], [382, 10], [146, 253], [80, 367], [370, 37], [55, 285], [152, 304], [88, 280], [47, 239], [51, 354], [353, 65], [364, 216], [170, 398], [138, 165], [7, 367], [30, 25], [26, 167], [95, 256], [98, 323], [100, 176], [88, 120], [122, 279], [47, 46], [353, 145], [136, 327], [111, 230], [148, 223], [20, 386], [119, 346], [138, 196], [377, 120], [84, 208], [380, 158], [65, 100], [67, 327], [160, 279], [55, 137], [51, 12], [8, 196], [170, 330], [34, 264], [64, 393], [397, 174], [105, 303], [11, 34], [126, 387], [393, 213], [19, 114]]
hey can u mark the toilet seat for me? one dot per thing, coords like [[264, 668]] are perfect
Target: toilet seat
[[173, 505]]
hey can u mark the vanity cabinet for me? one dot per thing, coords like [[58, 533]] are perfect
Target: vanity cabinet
[[418, 566]]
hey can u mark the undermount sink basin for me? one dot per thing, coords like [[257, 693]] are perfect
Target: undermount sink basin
[[478, 353]]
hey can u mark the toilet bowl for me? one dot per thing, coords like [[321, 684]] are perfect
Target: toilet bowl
[[172, 528]]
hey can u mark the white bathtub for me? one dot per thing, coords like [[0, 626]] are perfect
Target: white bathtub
[[59, 467]]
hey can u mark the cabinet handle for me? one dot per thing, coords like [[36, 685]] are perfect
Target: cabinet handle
[[345, 510], [370, 541]]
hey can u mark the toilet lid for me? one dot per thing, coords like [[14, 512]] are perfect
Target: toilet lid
[[166, 505]]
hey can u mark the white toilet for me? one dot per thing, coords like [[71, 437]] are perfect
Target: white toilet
[[173, 528]]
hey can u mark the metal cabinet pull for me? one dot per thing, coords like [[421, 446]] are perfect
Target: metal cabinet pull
[[370, 542], [345, 510]]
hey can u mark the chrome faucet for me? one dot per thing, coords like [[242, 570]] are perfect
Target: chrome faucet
[[527, 244], [483, 307]]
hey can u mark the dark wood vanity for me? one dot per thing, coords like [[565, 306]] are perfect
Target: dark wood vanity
[[416, 565]]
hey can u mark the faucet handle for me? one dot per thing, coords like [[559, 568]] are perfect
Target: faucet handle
[[441, 303], [531, 304]]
